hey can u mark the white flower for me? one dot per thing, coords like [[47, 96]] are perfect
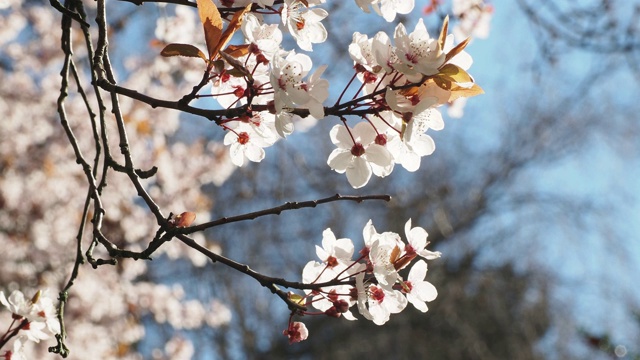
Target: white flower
[[287, 71], [361, 51], [389, 8], [45, 311], [384, 52], [414, 144], [284, 123], [304, 23], [369, 234], [16, 352], [34, 331], [358, 154], [335, 253], [417, 242], [419, 291], [17, 303], [317, 90], [245, 143], [384, 251], [286, 78], [267, 37], [417, 52], [376, 303]]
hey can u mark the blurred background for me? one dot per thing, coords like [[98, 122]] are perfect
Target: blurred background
[[531, 195]]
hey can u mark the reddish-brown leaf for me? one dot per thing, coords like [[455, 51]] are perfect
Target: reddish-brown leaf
[[212, 23], [233, 26], [183, 50], [443, 33], [237, 51], [457, 49]]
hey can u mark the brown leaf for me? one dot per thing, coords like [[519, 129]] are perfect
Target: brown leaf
[[183, 50], [443, 33], [237, 51], [212, 23], [395, 254], [233, 26], [457, 49]]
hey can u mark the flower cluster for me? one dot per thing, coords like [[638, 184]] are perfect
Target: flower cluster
[[270, 78], [405, 83], [402, 85], [34, 319], [372, 280]]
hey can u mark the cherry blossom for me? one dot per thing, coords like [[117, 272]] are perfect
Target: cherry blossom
[[296, 332], [383, 253], [245, 143], [17, 352], [304, 23], [418, 52], [335, 253], [266, 37], [376, 303], [288, 70], [417, 290], [358, 154], [34, 331], [417, 242], [17, 303]]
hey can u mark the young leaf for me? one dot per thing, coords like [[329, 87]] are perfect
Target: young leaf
[[183, 50], [300, 300], [212, 23], [454, 73], [443, 33], [233, 26], [458, 92], [457, 49], [237, 51]]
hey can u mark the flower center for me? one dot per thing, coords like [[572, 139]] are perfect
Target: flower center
[[357, 149], [332, 261], [243, 138], [377, 294], [300, 24], [381, 139]]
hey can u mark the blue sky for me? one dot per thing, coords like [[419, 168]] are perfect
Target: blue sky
[[594, 273]]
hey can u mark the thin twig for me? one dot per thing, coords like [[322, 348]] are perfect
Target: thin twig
[[278, 209]]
